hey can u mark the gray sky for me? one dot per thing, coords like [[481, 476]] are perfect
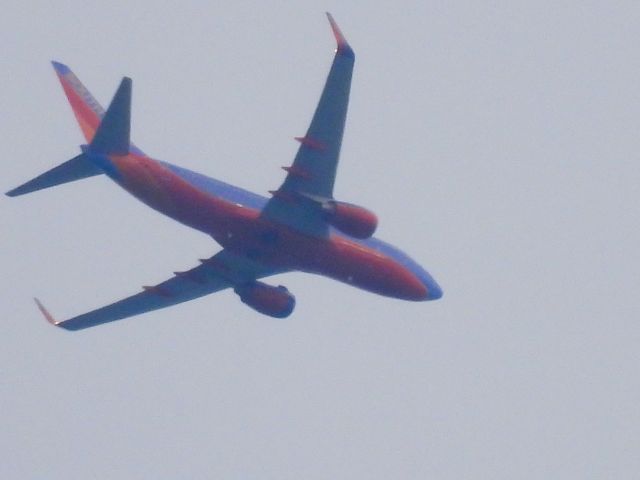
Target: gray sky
[[498, 143]]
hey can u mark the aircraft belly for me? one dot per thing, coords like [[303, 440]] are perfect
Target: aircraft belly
[[334, 256], [241, 230], [166, 192]]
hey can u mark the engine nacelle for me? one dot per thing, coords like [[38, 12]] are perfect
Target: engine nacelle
[[273, 301], [350, 219]]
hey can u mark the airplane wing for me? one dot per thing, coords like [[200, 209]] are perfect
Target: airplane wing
[[313, 172], [223, 270]]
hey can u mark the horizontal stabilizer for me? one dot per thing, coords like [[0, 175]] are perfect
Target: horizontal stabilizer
[[112, 136], [75, 169]]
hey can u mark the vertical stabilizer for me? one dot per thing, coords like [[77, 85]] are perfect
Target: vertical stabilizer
[[86, 108]]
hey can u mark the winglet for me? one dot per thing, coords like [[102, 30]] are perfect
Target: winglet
[[46, 313], [343, 46]]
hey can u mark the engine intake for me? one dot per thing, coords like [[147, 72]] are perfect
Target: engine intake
[[273, 301], [350, 219]]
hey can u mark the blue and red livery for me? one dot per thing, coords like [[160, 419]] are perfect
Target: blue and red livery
[[300, 228]]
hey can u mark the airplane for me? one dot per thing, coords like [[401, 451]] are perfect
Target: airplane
[[300, 227]]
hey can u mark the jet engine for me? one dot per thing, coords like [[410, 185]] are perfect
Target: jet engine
[[273, 301], [350, 219]]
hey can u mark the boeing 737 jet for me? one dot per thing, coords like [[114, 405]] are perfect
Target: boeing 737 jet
[[301, 227]]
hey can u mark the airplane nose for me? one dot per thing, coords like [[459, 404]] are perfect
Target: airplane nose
[[434, 292], [424, 287]]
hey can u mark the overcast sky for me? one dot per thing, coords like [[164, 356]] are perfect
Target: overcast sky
[[498, 144]]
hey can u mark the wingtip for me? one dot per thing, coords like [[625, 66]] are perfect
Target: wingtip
[[343, 46], [46, 313]]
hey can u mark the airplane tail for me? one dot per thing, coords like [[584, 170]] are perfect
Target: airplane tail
[[86, 109], [107, 132]]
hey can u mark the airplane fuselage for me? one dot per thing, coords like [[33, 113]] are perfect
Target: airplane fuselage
[[232, 216]]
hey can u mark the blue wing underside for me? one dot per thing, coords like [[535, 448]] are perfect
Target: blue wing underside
[[313, 172], [223, 270], [314, 167]]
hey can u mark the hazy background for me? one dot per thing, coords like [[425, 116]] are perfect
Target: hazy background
[[498, 143]]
